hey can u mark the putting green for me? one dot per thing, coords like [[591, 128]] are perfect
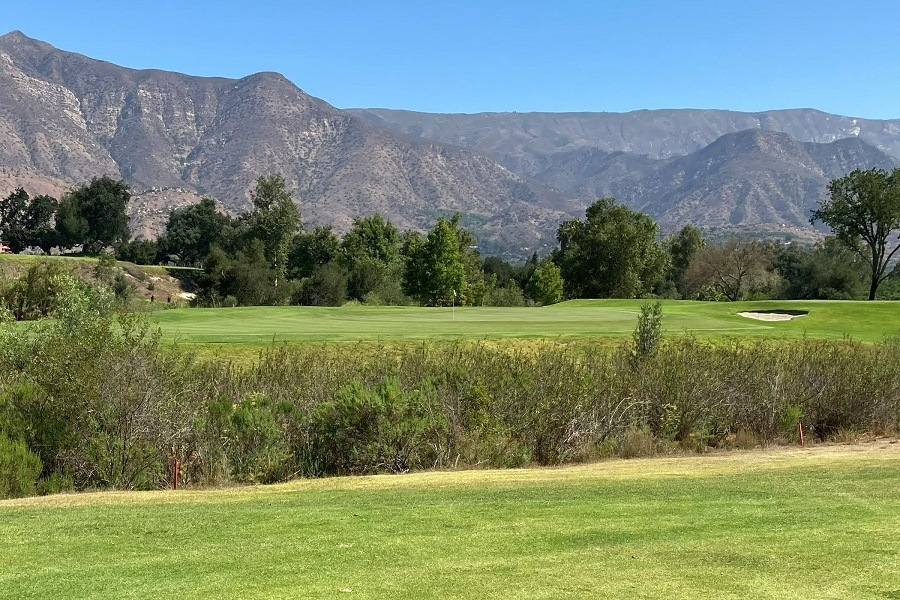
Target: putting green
[[867, 321]]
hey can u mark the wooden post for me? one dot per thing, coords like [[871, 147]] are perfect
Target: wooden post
[[800, 429], [175, 474]]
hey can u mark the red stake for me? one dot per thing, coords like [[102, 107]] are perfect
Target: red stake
[[800, 428], [175, 475]]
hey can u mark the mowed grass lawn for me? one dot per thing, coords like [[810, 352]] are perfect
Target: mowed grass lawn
[[784, 523], [867, 321]]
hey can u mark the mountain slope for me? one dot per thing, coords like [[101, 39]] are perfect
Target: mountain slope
[[750, 180], [66, 117], [522, 141]]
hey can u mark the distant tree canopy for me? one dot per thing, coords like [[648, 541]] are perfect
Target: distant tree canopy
[[435, 271], [274, 221], [370, 254], [682, 247], [265, 256], [613, 253], [863, 211], [26, 221], [94, 214], [827, 271], [546, 284], [191, 232], [732, 269]]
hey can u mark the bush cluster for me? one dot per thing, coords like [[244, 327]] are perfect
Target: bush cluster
[[91, 400]]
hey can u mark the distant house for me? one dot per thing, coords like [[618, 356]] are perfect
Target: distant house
[[4, 247]]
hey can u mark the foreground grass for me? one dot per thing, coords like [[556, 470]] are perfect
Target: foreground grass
[[867, 321], [822, 523]]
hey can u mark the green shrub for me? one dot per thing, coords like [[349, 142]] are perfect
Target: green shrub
[[648, 332], [38, 291], [19, 469], [369, 430], [253, 438]]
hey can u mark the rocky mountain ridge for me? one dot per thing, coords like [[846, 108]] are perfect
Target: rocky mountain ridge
[[65, 118]]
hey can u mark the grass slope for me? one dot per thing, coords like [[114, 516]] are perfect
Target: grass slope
[[869, 321], [814, 523]]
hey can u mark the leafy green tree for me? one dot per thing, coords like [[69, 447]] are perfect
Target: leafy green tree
[[828, 271], [39, 223], [140, 252], [507, 295], [477, 285], [71, 227], [435, 272], [612, 253], [863, 211], [192, 230], [682, 247], [274, 220], [26, 221], [13, 209], [371, 237], [494, 265], [327, 286], [412, 249], [311, 250], [546, 284], [94, 214], [370, 253], [247, 278]]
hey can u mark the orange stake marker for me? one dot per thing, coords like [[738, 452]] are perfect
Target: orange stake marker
[[175, 475], [800, 428]]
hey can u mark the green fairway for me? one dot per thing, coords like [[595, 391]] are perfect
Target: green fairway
[[868, 321], [814, 523]]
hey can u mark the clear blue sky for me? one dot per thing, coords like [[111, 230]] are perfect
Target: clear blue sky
[[499, 55]]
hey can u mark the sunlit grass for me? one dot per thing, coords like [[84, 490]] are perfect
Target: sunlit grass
[[581, 319], [821, 523]]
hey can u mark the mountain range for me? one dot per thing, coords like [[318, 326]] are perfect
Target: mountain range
[[65, 118]]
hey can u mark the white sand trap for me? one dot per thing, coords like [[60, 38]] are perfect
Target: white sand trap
[[775, 315]]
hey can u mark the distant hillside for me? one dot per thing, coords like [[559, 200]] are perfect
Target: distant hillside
[[65, 118], [722, 170], [749, 180], [523, 141]]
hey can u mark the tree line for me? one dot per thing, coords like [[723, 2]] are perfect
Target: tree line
[[266, 256]]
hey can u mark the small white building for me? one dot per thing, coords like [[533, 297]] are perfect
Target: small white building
[[4, 247]]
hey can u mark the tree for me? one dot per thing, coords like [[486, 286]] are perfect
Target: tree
[[828, 271], [731, 269], [370, 253], [245, 279], [39, 217], [26, 221], [274, 220], [311, 250], [94, 214], [327, 286], [371, 237], [435, 272], [682, 247], [494, 265], [546, 284], [192, 230], [12, 219], [863, 211], [612, 253]]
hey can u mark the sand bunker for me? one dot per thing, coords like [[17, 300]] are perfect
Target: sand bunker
[[773, 315]]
